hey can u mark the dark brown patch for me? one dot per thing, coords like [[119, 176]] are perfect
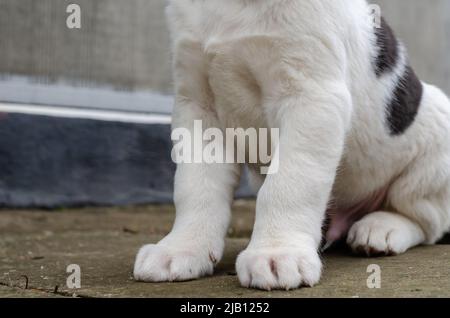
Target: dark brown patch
[[372, 252], [212, 258], [129, 231], [387, 49], [405, 103], [273, 268]]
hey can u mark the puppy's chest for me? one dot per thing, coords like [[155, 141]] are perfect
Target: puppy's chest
[[235, 69], [238, 55]]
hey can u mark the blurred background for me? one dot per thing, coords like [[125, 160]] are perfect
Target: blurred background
[[85, 113]]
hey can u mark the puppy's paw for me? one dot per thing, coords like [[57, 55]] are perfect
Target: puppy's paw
[[383, 233], [163, 263], [278, 268]]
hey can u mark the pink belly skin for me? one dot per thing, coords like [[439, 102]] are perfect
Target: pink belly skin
[[340, 220]]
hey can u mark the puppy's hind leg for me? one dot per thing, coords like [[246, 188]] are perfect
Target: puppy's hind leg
[[419, 211], [419, 199]]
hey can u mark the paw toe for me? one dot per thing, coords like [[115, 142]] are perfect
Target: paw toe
[[278, 269], [155, 263]]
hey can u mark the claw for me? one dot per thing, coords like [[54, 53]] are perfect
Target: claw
[[326, 246]]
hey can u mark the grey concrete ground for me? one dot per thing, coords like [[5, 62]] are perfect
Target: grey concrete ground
[[39, 245]]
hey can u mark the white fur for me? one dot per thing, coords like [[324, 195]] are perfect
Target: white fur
[[304, 67]]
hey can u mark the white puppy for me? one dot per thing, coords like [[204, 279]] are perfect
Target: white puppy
[[364, 145]]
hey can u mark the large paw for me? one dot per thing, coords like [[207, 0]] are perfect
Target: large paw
[[162, 263], [383, 233], [278, 268]]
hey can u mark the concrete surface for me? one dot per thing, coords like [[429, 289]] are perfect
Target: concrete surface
[[39, 245]]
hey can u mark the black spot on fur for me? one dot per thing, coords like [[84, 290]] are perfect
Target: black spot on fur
[[387, 49], [405, 102]]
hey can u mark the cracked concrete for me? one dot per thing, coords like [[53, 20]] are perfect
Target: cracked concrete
[[39, 245]]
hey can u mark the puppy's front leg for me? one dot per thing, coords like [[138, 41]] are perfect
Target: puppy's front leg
[[203, 191], [283, 252], [203, 196]]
